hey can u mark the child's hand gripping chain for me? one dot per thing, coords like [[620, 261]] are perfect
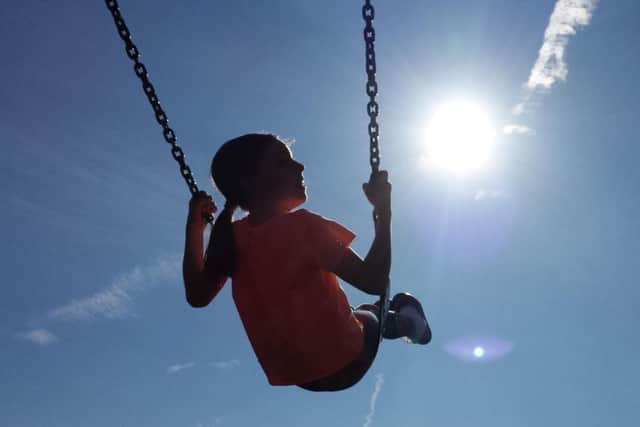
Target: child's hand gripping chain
[[201, 208], [378, 192]]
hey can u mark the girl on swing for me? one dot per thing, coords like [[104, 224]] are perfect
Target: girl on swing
[[283, 264]]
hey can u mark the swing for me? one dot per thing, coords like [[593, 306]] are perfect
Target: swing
[[368, 14]]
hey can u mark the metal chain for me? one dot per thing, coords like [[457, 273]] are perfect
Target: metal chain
[[368, 13], [161, 117]]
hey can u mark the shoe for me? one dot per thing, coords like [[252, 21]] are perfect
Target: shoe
[[404, 299]]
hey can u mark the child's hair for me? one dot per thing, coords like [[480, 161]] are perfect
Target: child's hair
[[233, 170]]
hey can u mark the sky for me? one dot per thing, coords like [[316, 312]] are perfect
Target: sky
[[527, 268]]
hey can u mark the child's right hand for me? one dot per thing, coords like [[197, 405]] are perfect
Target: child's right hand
[[201, 207], [378, 192]]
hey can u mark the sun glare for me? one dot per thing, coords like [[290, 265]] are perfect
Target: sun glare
[[459, 138]]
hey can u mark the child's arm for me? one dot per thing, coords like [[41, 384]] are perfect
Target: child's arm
[[371, 275], [201, 284]]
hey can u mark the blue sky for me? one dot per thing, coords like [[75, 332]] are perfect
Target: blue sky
[[534, 259]]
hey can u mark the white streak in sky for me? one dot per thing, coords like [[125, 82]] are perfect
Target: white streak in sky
[[115, 301], [483, 194], [39, 336], [550, 66], [517, 129], [374, 398], [179, 367], [216, 422], [226, 364]]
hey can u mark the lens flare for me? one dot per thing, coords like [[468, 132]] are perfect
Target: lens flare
[[476, 349], [478, 352]]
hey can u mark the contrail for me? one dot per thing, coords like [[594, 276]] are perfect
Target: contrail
[[567, 17], [374, 398], [180, 367]]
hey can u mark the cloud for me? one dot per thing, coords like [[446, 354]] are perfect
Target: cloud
[[116, 300], [173, 369], [111, 303], [39, 336], [511, 129], [216, 422], [374, 398], [483, 194], [225, 364], [222, 365], [566, 18]]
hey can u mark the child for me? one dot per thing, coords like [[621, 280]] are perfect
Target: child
[[283, 264]]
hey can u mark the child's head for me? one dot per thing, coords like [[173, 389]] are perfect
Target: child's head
[[257, 169]]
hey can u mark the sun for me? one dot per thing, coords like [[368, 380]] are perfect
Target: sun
[[459, 138]]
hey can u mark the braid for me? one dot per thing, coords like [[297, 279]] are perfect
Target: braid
[[231, 206], [222, 244], [233, 167]]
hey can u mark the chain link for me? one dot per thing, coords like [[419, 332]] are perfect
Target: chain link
[[368, 13], [161, 116]]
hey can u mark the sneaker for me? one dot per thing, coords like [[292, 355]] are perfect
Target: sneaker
[[403, 300]]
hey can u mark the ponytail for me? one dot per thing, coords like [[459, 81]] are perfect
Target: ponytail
[[233, 169], [221, 249]]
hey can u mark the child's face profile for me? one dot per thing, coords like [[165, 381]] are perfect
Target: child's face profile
[[279, 178]]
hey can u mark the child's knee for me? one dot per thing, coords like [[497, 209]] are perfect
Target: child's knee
[[368, 319], [372, 308]]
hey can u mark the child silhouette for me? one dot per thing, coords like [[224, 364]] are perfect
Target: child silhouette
[[284, 265]]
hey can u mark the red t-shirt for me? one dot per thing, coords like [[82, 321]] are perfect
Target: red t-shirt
[[294, 312]]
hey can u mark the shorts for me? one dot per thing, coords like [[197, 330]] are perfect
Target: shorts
[[356, 369]]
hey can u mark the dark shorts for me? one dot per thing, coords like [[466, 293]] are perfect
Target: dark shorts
[[355, 370]]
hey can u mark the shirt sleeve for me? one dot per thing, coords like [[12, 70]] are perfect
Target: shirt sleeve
[[326, 239]]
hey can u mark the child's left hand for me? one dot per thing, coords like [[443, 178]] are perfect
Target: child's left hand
[[201, 207], [378, 192]]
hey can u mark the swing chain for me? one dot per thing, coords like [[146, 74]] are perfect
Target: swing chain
[[368, 13], [161, 117]]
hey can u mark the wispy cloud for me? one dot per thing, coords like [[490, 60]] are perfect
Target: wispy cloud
[[516, 129], [222, 365], [374, 399], [116, 300], [483, 194], [38, 336], [216, 422], [550, 66], [225, 364], [173, 369]]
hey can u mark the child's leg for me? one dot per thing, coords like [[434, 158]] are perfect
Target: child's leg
[[405, 319], [354, 371]]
